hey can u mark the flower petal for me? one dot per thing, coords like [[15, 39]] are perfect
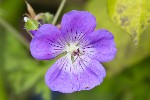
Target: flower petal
[[76, 24], [47, 42], [99, 45], [60, 78], [92, 74], [82, 75]]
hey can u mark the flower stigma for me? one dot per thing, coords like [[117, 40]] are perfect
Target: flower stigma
[[73, 49]]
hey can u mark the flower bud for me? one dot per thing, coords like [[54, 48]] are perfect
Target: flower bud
[[44, 17], [31, 24]]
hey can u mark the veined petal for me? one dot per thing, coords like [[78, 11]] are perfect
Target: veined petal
[[67, 77], [92, 73], [46, 29], [47, 42], [60, 78], [76, 24], [99, 45]]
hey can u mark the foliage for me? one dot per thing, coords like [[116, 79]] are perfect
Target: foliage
[[23, 72], [131, 15], [21, 76]]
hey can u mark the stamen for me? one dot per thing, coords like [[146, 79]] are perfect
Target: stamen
[[71, 48], [77, 52]]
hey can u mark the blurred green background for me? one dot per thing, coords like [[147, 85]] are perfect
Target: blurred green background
[[22, 77]]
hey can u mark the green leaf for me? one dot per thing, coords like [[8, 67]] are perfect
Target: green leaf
[[133, 16]]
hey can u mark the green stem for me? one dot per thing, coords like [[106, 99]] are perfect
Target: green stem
[[59, 11], [14, 32]]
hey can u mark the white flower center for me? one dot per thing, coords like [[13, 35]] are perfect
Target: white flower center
[[72, 48]]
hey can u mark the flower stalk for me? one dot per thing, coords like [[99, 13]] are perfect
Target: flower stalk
[[58, 11]]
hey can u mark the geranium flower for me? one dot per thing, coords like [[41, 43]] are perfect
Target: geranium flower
[[83, 49]]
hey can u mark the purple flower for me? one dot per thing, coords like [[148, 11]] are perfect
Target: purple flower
[[79, 69]]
